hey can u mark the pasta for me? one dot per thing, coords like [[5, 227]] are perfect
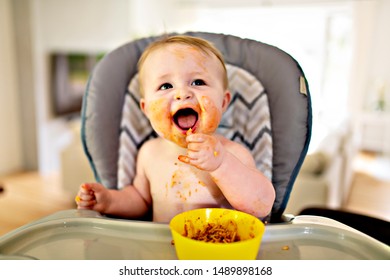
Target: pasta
[[214, 233]]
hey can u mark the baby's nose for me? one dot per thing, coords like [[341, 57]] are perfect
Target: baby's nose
[[183, 95]]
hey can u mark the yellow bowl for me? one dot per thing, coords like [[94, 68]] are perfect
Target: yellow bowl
[[185, 225]]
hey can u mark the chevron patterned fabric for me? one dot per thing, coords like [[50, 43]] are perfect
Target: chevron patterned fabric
[[247, 121]]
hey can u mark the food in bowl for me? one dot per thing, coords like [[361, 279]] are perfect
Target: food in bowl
[[215, 233]]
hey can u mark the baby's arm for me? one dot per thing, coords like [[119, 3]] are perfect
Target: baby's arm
[[234, 171], [122, 203], [132, 201]]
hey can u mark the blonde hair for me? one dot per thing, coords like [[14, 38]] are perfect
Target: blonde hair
[[199, 43]]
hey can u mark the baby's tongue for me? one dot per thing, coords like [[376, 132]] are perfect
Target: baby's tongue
[[186, 121]]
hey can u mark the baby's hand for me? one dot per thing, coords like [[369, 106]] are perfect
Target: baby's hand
[[92, 196], [204, 152], [85, 198]]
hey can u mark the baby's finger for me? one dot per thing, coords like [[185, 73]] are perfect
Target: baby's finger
[[86, 188], [85, 192], [86, 197], [184, 159], [195, 147], [94, 187], [195, 138], [88, 204]]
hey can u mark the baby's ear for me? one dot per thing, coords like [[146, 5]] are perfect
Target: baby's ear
[[226, 100], [142, 106]]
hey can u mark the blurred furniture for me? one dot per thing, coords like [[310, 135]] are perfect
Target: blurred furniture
[[325, 177], [374, 128]]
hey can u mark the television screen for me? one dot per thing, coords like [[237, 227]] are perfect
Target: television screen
[[69, 77]]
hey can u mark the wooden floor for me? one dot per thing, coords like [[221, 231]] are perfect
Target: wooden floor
[[28, 197]]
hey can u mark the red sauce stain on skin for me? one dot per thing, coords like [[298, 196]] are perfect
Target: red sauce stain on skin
[[210, 115], [202, 183], [184, 185], [178, 52], [162, 122], [200, 56], [183, 158], [181, 196]]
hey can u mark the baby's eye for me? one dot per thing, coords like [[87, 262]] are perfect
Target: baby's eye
[[198, 82], [165, 86]]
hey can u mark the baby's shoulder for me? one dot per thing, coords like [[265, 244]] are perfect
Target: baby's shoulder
[[150, 145]]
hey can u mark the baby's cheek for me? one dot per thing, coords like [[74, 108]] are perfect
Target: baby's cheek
[[210, 115], [161, 120], [160, 117]]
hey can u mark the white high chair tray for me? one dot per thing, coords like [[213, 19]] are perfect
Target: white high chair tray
[[75, 234]]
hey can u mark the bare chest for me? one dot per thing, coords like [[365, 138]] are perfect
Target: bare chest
[[181, 183]]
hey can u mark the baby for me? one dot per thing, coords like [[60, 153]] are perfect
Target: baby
[[184, 88]]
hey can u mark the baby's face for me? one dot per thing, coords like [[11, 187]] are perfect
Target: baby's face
[[183, 89]]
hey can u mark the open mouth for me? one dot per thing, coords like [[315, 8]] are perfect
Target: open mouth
[[185, 118]]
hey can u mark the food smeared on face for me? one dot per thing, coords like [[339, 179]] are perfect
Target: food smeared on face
[[175, 127], [184, 95], [211, 115]]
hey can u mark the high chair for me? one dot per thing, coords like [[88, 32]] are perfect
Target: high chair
[[270, 112]]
